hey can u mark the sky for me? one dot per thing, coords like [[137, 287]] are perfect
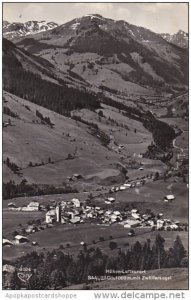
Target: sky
[[158, 17]]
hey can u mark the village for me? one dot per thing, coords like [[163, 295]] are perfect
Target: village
[[73, 211]]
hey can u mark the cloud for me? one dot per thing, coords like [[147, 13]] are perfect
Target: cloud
[[94, 6], [154, 7], [121, 12], [33, 9]]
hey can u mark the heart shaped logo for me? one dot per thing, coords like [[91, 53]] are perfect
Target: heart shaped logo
[[24, 276]]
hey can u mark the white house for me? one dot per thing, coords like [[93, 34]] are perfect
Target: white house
[[12, 205], [6, 242], [8, 268], [109, 200], [135, 216], [169, 197], [127, 185], [132, 223], [51, 216], [19, 239], [76, 202], [34, 206], [75, 220], [160, 224]]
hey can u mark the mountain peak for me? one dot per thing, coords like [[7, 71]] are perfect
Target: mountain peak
[[180, 38], [17, 29]]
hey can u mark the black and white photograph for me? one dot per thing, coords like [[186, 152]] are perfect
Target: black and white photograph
[[95, 146]]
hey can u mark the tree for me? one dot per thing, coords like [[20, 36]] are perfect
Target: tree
[[33, 283], [100, 113], [112, 245], [177, 253], [7, 161], [159, 250], [156, 177], [15, 283], [57, 279], [15, 233]]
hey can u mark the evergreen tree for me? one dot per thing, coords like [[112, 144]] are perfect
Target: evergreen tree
[[176, 254], [159, 252], [15, 282]]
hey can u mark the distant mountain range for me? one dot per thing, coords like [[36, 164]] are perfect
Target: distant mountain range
[[12, 30], [100, 56], [180, 38], [16, 29]]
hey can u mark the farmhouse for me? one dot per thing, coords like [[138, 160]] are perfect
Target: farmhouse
[[8, 269], [109, 200], [160, 224], [19, 239], [33, 206], [12, 205], [31, 229], [6, 242], [127, 185], [51, 216], [169, 197], [132, 223], [75, 220], [135, 215], [76, 202]]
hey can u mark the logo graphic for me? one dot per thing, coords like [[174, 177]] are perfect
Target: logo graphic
[[24, 274]]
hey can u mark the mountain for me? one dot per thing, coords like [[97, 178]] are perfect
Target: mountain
[[12, 30], [36, 79], [180, 38], [110, 56]]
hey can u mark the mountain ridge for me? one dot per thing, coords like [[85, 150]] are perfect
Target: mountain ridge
[[16, 29], [180, 38]]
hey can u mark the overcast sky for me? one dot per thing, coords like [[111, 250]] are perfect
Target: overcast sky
[[158, 17]]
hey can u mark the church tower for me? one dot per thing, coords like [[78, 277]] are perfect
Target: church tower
[[58, 213]]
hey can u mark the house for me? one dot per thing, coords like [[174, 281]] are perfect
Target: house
[[6, 242], [33, 206], [151, 223], [76, 202], [113, 218], [75, 220], [132, 223], [8, 269], [19, 239], [12, 205], [78, 176], [109, 200], [63, 220], [63, 204], [135, 216], [122, 188], [31, 229], [160, 223], [127, 185], [50, 216], [116, 213], [169, 197]]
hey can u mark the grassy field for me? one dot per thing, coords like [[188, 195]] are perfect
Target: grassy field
[[52, 238], [36, 143]]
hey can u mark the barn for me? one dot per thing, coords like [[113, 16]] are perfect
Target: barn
[[6, 242], [132, 223], [19, 239]]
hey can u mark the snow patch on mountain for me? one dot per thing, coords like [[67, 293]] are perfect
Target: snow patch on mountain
[[16, 29]]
